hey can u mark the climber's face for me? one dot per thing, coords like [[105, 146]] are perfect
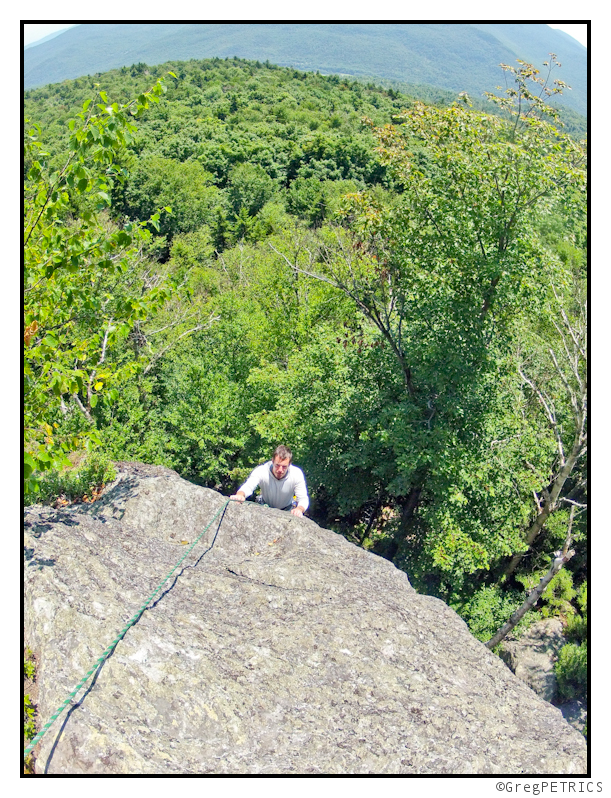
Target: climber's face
[[280, 467]]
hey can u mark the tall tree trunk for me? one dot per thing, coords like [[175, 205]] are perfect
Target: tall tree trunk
[[374, 515], [409, 508]]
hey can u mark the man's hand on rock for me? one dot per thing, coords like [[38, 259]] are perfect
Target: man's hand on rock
[[237, 497], [298, 511]]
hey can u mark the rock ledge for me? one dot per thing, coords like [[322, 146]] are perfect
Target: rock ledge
[[280, 649]]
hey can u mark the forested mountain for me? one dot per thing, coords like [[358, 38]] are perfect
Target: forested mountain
[[395, 289], [452, 56]]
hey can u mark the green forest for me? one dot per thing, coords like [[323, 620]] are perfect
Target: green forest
[[224, 255]]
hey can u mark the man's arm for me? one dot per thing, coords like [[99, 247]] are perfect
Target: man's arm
[[301, 494], [249, 486]]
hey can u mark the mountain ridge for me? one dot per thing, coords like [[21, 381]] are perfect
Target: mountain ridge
[[452, 56]]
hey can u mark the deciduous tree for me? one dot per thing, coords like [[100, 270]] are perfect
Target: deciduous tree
[[84, 283], [441, 273]]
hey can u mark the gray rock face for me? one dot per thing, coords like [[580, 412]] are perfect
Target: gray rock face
[[575, 713], [532, 657], [280, 649]]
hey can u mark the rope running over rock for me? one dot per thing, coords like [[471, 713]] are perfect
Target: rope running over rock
[[134, 619]]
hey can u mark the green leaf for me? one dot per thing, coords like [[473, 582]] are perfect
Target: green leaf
[[123, 239], [28, 465]]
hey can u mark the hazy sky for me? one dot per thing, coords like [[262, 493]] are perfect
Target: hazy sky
[[577, 30], [34, 32]]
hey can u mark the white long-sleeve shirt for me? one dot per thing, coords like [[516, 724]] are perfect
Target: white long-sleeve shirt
[[275, 492]]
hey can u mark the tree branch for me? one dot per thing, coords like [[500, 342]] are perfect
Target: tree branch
[[162, 352], [82, 407], [561, 557]]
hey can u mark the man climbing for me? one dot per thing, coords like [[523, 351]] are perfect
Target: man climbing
[[279, 482]]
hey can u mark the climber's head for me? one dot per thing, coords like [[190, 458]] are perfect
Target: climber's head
[[281, 461]]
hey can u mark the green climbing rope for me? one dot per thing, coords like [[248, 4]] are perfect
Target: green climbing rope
[[121, 634]]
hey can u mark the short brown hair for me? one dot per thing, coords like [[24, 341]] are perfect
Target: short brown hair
[[282, 453]]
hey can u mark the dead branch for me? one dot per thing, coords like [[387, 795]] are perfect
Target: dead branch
[[560, 559]]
